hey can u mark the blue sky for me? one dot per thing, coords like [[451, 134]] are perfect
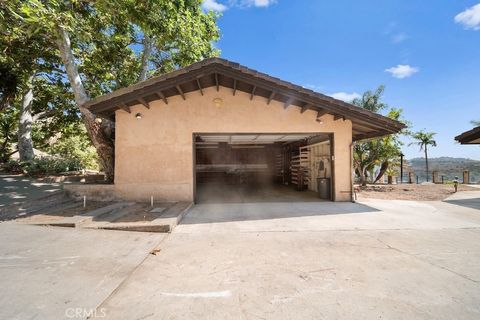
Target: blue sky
[[426, 53]]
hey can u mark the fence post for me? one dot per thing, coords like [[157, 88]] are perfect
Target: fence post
[[466, 177], [443, 179], [410, 177], [417, 179], [435, 176]]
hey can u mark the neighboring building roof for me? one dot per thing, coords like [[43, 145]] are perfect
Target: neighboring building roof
[[470, 136], [220, 72]]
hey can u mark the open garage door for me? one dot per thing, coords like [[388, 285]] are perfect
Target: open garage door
[[260, 167]]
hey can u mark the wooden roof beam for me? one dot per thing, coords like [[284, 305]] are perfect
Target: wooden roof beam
[[125, 107], [234, 86], [216, 81], [288, 103], [199, 86], [338, 116], [144, 102], [162, 96], [321, 113], [305, 108], [253, 92], [271, 97], [180, 91]]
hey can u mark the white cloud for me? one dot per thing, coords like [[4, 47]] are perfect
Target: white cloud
[[313, 87], [470, 18], [399, 37], [402, 71], [262, 3], [213, 5], [252, 3], [345, 96]]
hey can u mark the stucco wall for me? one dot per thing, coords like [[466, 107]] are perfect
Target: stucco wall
[[154, 154]]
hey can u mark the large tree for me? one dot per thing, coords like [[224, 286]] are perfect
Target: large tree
[[423, 140], [382, 152], [104, 45]]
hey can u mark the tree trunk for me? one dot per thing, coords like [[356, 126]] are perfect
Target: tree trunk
[[383, 168], [426, 161], [98, 132], [25, 143], [147, 51], [363, 178]]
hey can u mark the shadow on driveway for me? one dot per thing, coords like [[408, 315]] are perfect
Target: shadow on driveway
[[473, 203], [229, 212], [468, 199], [16, 189]]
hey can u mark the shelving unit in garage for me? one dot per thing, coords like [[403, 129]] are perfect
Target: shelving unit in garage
[[300, 169]]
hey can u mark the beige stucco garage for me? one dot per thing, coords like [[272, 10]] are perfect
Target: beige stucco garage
[[219, 122]]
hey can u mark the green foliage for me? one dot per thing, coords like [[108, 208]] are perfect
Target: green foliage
[[43, 166], [476, 123], [107, 35], [391, 172], [383, 152], [424, 139], [8, 130], [76, 146], [109, 48], [371, 100], [70, 150]]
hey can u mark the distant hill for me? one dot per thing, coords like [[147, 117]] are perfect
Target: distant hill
[[446, 166]]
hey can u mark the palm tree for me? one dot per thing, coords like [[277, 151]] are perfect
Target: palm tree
[[424, 139], [476, 123]]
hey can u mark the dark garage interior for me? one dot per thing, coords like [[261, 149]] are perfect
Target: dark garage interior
[[263, 167]]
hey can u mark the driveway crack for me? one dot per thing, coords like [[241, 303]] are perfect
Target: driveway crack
[[426, 261]]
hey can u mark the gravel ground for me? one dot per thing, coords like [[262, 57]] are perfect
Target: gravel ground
[[425, 191]]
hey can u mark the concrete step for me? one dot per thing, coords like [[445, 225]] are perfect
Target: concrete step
[[109, 218], [88, 217], [167, 221]]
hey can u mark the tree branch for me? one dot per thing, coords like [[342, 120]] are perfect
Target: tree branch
[[147, 51], [42, 115]]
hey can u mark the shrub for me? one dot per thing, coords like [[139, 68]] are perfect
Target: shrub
[[13, 166], [43, 166], [76, 150]]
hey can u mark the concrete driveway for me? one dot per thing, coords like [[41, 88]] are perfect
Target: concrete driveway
[[62, 273], [16, 189], [376, 259]]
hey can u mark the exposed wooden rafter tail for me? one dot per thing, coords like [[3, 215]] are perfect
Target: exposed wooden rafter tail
[[321, 113], [288, 103], [305, 108], [180, 91], [125, 107], [234, 86], [271, 97], [162, 96], [144, 103], [199, 86], [253, 92]]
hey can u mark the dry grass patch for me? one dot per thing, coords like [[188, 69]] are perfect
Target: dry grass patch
[[425, 192]]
